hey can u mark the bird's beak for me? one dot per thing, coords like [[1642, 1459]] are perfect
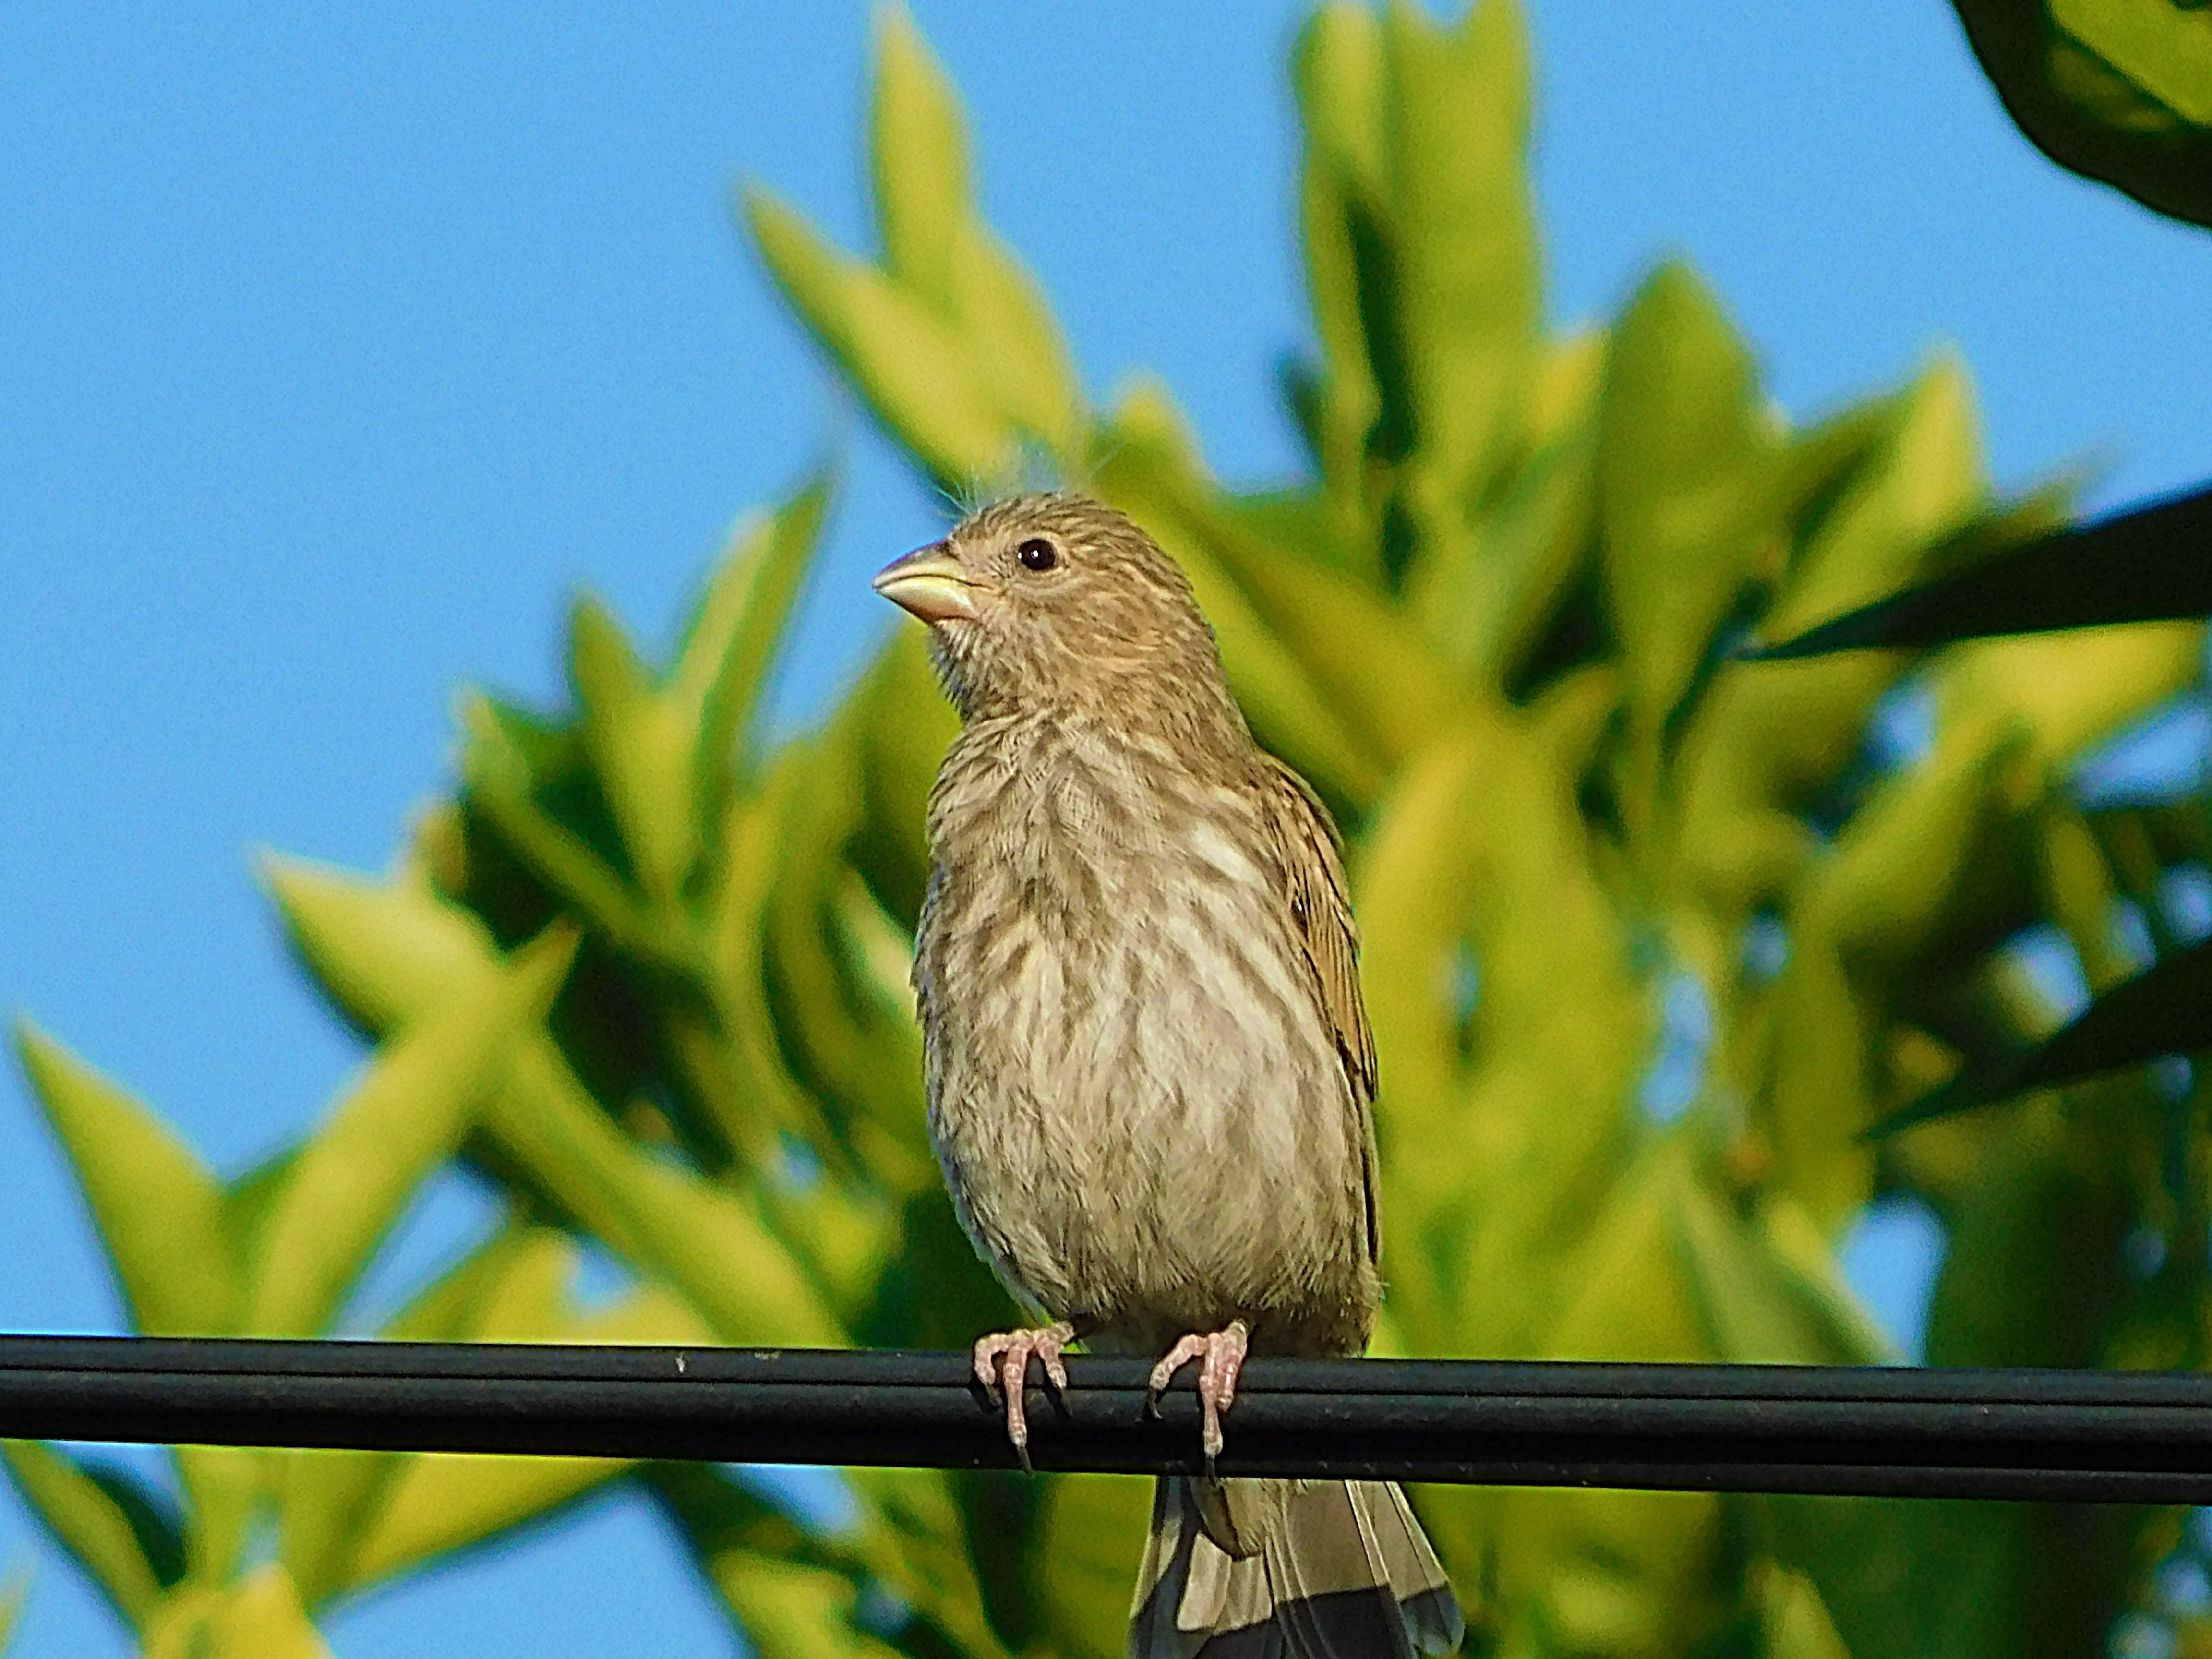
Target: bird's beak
[[931, 583]]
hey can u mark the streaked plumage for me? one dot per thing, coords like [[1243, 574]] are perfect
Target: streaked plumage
[[1149, 1070]]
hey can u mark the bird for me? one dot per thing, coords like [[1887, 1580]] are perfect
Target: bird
[[1149, 1070]]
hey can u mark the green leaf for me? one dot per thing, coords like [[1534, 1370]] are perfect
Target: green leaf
[[2164, 1009], [349, 1519], [908, 1540], [721, 671], [1766, 1291], [86, 1519], [1084, 1558], [2118, 90], [1463, 244], [1486, 599], [642, 748], [937, 246], [847, 1043], [1908, 870], [791, 1611], [902, 726], [713, 1248], [1762, 744], [913, 369], [1931, 868], [1685, 495], [409, 1114], [260, 1618], [496, 771], [2147, 564], [1502, 1123], [766, 1098], [385, 952], [919, 163], [157, 1209], [436, 1505], [1624, 1573], [2032, 1263], [789, 1596], [13, 1593], [395, 943], [153, 1516], [1794, 1621], [1338, 72]]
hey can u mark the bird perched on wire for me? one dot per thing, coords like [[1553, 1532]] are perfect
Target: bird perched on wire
[[1149, 1070]]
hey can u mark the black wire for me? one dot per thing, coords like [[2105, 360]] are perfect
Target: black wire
[[2133, 1436]]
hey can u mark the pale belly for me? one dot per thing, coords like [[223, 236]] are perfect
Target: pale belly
[[1141, 1113]]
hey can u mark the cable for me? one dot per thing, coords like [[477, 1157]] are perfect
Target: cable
[[2123, 1437]]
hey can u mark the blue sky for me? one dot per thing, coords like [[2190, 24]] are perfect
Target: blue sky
[[337, 350]]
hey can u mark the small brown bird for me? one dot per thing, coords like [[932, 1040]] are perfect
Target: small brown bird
[[1148, 1067]]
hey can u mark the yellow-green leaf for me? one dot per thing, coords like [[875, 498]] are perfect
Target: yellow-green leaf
[[384, 952], [721, 671], [712, 1247], [260, 1618], [13, 1595], [1087, 1544], [792, 1611], [642, 748], [1793, 1618], [1462, 241], [409, 1114], [937, 247], [89, 1523], [914, 369], [1337, 69], [1685, 451], [436, 1505], [1766, 739], [157, 1209]]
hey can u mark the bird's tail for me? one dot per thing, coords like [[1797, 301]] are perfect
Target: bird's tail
[[1256, 1569]]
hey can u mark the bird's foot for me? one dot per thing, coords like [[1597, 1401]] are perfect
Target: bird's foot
[[1002, 1366], [1220, 1355]]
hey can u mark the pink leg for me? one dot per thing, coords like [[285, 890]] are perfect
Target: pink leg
[[1002, 1366], [1221, 1357]]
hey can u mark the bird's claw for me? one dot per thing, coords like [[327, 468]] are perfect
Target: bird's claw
[[1002, 1366], [1220, 1355]]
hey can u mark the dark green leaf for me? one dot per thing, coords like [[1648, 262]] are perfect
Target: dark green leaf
[[2166, 1010], [2153, 564], [150, 1514], [2118, 90]]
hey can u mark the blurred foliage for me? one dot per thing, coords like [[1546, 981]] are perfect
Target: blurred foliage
[[1652, 936], [11, 1606], [2118, 90], [187, 1560], [2146, 564], [2153, 563]]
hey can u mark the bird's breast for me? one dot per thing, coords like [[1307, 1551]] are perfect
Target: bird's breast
[[1133, 1089]]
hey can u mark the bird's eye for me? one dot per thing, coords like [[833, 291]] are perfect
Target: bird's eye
[[1037, 554]]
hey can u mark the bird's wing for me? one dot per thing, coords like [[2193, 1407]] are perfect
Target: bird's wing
[[1306, 845]]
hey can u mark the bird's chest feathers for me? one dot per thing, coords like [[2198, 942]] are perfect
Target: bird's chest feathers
[[1134, 1089], [1106, 949], [1066, 849]]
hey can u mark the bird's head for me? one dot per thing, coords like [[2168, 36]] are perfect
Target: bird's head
[[1059, 602]]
